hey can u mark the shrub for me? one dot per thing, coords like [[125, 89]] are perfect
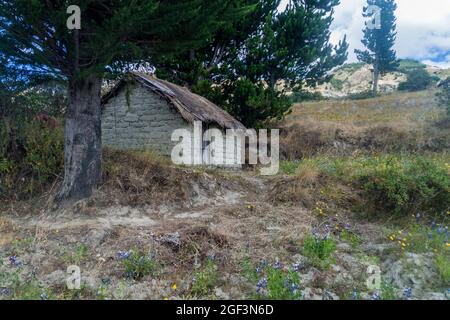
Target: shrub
[[408, 65], [35, 160], [337, 84], [361, 95], [319, 250], [302, 96], [351, 67], [417, 79], [394, 184], [402, 186]]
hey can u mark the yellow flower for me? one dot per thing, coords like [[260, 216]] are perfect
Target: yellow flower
[[174, 286], [166, 298], [392, 238], [448, 244]]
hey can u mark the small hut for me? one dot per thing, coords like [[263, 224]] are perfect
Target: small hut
[[142, 112]]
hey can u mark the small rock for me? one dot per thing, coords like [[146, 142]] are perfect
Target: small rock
[[221, 295]]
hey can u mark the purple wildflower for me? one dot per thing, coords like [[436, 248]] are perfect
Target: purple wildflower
[[296, 267], [376, 296], [277, 264], [261, 285], [407, 293], [15, 261], [123, 255]]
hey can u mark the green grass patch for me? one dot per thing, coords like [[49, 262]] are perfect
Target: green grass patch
[[137, 264], [205, 279], [319, 250]]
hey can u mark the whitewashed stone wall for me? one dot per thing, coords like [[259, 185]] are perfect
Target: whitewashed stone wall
[[146, 123]]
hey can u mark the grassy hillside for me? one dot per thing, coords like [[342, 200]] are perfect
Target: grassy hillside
[[356, 78], [410, 122]]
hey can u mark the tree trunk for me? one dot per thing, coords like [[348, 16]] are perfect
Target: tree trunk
[[376, 77], [83, 145]]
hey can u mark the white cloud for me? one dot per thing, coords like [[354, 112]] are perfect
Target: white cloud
[[423, 29]]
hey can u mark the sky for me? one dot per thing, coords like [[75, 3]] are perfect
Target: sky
[[423, 28]]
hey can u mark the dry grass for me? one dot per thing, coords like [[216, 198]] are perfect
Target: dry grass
[[145, 178], [401, 122]]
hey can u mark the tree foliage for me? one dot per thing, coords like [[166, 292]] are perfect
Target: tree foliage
[[379, 39], [250, 64], [417, 79]]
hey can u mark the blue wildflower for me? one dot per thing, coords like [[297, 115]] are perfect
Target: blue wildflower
[[5, 291], [355, 295], [376, 296], [123, 255], [43, 296], [15, 261], [277, 265], [407, 293], [261, 285], [296, 267], [293, 287]]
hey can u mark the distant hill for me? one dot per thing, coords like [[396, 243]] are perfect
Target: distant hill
[[355, 78]]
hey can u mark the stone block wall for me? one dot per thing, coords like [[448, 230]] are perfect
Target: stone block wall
[[147, 122]]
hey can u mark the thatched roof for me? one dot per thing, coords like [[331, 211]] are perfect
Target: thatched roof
[[191, 106]]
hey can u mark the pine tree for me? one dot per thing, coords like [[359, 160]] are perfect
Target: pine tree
[[379, 39], [35, 40], [241, 67]]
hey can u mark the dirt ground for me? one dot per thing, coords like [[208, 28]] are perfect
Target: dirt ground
[[230, 219]]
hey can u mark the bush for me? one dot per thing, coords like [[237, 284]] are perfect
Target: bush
[[30, 159], [302, 96], [361, 95], [337, 84], [417, 79], [351, 67], [408, 65], [403, 186], [393, 184]]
